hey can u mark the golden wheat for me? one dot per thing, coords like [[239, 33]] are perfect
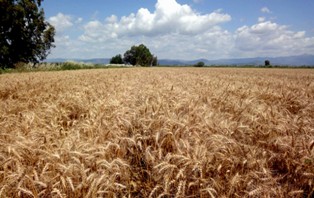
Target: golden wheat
[[157, 132]]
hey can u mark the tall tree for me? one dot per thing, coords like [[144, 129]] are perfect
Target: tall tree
[[25, 36], [139, 55]]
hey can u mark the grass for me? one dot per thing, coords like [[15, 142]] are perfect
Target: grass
[[157, 132], [23, 68]]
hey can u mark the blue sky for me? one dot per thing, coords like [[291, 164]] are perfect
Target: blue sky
[[182, 29]]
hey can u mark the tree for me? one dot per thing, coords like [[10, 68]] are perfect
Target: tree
[[139, 55], [25, 36], [267, 63], [116, 59], [200, 64]]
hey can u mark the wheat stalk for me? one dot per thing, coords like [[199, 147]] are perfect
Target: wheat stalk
[[157, 132]]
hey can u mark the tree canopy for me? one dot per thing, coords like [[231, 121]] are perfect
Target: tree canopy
[[116, 59], [200, 64], [139, 55], [267, 63], [25, 36]]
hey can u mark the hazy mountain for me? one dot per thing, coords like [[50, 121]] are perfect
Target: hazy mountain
[[301, 60], [94, 61]]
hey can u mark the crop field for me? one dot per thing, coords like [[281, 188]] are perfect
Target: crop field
[[157, 132]]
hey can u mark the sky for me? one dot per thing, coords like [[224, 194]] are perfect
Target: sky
[[182, 29]]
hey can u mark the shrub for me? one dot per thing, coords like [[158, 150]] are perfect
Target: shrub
[[70, 66]]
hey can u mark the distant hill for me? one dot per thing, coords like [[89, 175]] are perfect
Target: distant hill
[[94, 60], [301, 60]]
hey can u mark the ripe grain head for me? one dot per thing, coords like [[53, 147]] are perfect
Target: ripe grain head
[[157, 132]]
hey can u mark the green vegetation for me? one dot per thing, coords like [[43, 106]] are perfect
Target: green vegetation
[[267, 63], [21, 68], [200, 64], [71, 66], [25, 36], [140, 56], [116, 59]]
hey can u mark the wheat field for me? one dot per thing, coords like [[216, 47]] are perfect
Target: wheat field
[[157, 132]]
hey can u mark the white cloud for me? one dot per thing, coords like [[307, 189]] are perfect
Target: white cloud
[[66, 45], [61, 21], [168, 17], [176, 31], [261, 19], [265, 10], [213, 43], [79, 20], [271, 39], [264, 27], [172, 30], [93, 32]]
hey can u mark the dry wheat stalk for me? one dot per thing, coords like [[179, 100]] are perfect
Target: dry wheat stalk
[[157, 132]]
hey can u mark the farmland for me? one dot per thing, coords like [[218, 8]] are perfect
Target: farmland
[[157, 132]]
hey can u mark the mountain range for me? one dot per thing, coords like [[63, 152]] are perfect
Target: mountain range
[[300, 60]]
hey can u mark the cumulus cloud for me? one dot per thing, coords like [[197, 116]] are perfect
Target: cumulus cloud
[[174, 30], [269, 38], [93, 32], [66, 45], [265, 10], [168, 17], [61, 21], [211, 44]]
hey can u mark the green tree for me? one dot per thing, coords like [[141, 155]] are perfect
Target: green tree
[[140, 55], [200, 64], [25, 36], [116, 59], [267, 63]]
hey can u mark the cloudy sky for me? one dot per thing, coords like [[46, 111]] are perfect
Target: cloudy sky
[[182, 29]]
